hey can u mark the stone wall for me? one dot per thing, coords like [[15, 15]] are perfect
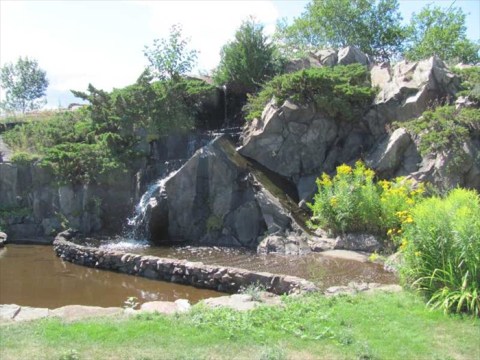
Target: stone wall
[[221, 278]]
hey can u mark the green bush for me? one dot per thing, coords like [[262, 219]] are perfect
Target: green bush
[[342, 92], [441, 248], [445, 128], [353, 202], [21, 157], [81, 145], [470, 82]]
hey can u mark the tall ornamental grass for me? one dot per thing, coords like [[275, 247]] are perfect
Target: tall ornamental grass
[[441, 249]]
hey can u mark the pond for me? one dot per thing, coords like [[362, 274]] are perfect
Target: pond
[[32, 275]]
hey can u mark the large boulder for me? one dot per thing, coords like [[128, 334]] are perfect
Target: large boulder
[[407, 90], [291, 139], [396, 155], [299, 142], [351, 55], [220, 198]]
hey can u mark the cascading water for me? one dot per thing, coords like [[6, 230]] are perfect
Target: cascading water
[[137, 229]]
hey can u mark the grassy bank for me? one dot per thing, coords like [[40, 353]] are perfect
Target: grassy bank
[[382, 326]]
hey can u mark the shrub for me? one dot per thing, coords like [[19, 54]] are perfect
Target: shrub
[[22, 157], [470, 82], [353, 202], [441, 248], [341, 92], [445, 128]]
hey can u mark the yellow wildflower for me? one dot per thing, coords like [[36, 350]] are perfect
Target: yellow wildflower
[[333, 201], [326, 181], [408, 220], [374, 256], [418, 253], [404, 244], [344, 169], [369, 173]]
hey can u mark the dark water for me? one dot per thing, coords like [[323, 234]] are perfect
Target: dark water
[[31, 275]]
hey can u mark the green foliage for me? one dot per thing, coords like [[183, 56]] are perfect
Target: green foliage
[[82, 145], [342, 92], [470, 82], [21, 157], [445, 129], [170, 58], [372, 26], [353, 202], [247, 61], [442, 251], [435, 31], [24, 83]]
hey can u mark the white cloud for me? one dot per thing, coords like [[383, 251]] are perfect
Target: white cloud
[[209, 24], [101, 42]]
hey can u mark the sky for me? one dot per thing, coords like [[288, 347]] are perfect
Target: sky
[[102, 42]]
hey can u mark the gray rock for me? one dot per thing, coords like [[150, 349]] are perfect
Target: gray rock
[[291, 140], [387, 157], [357, 242], [407, 90], [79, 312], [3, 239], [300, 64], [320, 244], [327, 57], [220, 198], [27, 313], [448, 169], [8, 312], [347, 255], [162, 307], [354, 288], [351, 55], [239, 302]]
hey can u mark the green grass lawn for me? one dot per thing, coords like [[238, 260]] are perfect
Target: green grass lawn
[[381, 326]]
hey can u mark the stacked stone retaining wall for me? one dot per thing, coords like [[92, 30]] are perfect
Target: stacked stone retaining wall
[[221, 278]]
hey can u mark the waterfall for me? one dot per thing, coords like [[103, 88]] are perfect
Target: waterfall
[[225, 120], [137, 228]]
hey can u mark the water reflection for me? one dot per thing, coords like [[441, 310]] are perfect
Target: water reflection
[[32, 275]]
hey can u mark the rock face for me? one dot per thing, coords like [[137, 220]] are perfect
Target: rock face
[[34, 205], [328, 57], [407, 90], [220, 198], [300, 142], [396, 155], [446, 171]]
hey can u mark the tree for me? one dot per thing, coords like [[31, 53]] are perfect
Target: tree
[[170, 58], [435, 31], [24, 84], [247, 61], [372, 26]]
